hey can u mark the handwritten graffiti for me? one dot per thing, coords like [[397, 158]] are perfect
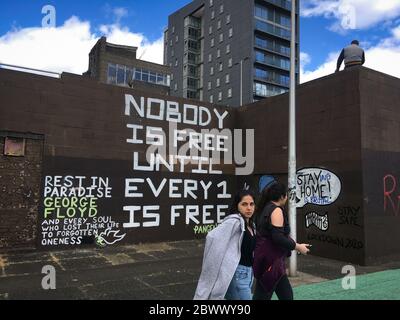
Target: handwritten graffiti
[[71, 231], [317, 186], [108, 236], [187, 147], [70, 210], [321, 222], [202, 229], [149, 216], [349, 215], [346, 243], [391, 196]]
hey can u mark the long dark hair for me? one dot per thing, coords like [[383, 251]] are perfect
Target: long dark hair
[[236, 200], [271, 192]]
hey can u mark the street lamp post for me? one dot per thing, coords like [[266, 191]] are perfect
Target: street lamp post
[[241, 79], [292, 141]]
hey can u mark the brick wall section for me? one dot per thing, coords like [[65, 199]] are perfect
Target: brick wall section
[[19, 195]]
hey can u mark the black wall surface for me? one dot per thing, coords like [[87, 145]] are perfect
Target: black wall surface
[[348, 146]]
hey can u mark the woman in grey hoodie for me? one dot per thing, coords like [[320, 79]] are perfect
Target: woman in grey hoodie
[[228, 254]]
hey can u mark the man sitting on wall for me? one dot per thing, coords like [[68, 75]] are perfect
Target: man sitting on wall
[[352, 55]]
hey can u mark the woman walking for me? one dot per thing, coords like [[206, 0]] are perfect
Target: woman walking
[[228, 254], [273, 245]]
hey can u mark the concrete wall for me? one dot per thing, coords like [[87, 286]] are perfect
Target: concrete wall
[[380, 118]]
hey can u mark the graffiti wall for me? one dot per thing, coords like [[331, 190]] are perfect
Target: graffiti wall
[[120, 166], [382, 204], [329, 213], [323, 217], [178, 183]]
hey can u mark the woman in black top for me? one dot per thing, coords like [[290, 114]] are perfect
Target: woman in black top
[[273, 245]]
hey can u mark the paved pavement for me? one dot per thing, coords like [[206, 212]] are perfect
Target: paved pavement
[[382, 285], [162, 271]]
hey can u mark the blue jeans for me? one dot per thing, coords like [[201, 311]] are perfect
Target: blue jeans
[[241, 283]]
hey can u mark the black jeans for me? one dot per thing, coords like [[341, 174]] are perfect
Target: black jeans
[[283, 290]]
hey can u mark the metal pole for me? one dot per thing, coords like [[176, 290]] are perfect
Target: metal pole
[[292, 141], [241, 82]]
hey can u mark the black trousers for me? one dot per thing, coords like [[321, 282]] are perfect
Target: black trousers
[[283, 290]]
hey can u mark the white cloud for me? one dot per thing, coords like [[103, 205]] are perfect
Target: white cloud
[[149, 51], [305, 59], [120, 12], [352, 14], [66, 48], [383, 57], [326, 68]]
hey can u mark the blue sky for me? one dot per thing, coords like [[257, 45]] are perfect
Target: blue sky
[[326, 26]]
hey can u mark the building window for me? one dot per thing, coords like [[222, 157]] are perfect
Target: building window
[[176, 39], [173, 29], [221, 37], [221, 8], [112, 74], [172, 53], [273, 60], [14, 147], [267, 90], [219, 96], [228, 48], [210, 57], [227, 78], [218, 53], [230, 32], [218, 82], [145, 75], [211, 99], [152, 77], [211, 3], [212, 14], [262, 74], [175, 86], [120, 74], [209, 85], [170, 43], [176, 62], [269, 27], [230, 93], [172, 76], [228, 18], [210, 30], [211, 71], [220, 66], [212, 42], [230, 62], [219, 24]]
